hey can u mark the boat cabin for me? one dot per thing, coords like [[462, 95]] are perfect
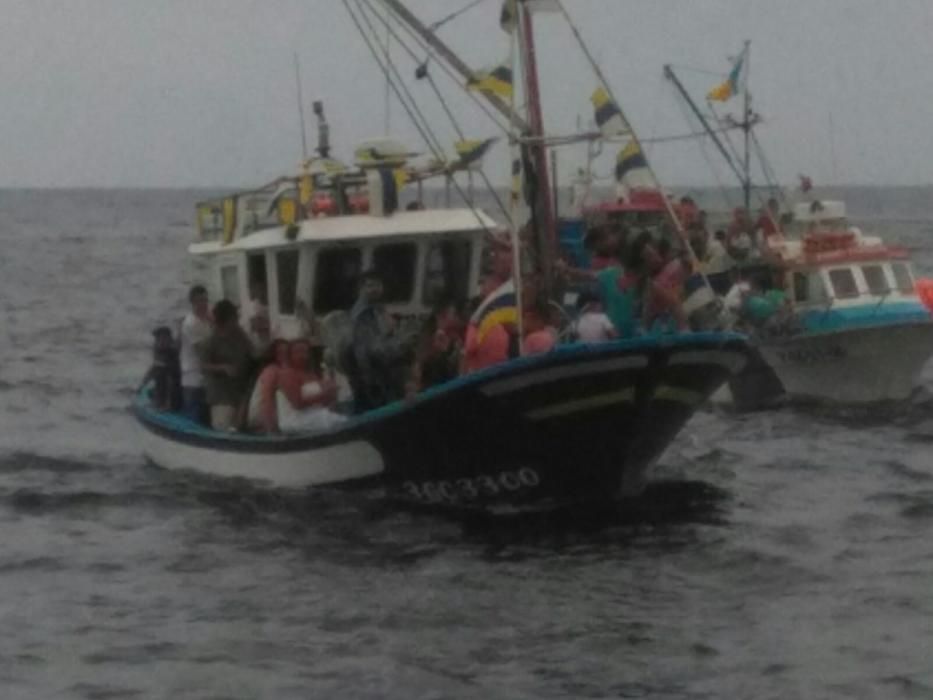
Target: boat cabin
[[834, 267], [312, 265]]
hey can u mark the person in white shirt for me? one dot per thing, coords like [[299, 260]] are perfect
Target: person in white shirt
[[255, 319], [594, 325], [195, 330], [717, 264]]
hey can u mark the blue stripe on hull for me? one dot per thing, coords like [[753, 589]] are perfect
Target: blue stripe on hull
[[874, 314]]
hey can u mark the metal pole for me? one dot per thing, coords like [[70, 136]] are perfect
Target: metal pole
[[301, 110], [388, 95], [554, 183], [747, 127], [669, 74], [403, 14], [543, 205]]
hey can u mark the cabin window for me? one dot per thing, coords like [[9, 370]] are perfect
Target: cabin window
[[903, 279], [230, 283], [286, 267], [844, 286], [446, 272], [808, 288], [210, 221], [800, 287], [875, 279], [336, 279], [395, 264], [256, 277]]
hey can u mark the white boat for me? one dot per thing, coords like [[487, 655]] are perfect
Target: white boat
[[859, 332]]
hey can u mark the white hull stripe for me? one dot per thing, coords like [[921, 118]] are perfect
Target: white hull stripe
[[555, 374], [732, 360], [579, 405]]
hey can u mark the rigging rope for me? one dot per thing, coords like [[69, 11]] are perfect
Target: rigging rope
[[768, 171], [423, 130], [390, 69], [672, 215], [453, 15], [495, 195], [688, 117], [429, 52]]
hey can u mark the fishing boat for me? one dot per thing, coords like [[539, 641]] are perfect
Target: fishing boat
[[857, 331], [582, 423]]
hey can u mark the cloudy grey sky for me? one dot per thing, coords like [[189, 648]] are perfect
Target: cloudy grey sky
[[201, 92]]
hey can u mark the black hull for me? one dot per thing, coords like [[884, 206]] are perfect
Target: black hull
[[576, 426], [757, 386]]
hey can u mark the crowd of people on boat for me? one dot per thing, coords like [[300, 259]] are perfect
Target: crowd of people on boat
[[230, 369], [642, 281]]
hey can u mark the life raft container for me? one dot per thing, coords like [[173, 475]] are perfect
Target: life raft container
[[816, 243], [324, 204], [924, 289]]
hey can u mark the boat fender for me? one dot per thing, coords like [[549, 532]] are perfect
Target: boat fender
[[924, 289]]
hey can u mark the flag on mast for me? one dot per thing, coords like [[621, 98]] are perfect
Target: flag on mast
[[508, 18], [730, 86], [609, 117], [499, 308], [497, 81], [470, 152], [632, 169]]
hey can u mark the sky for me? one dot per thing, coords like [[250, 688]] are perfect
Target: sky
[[182, 93]]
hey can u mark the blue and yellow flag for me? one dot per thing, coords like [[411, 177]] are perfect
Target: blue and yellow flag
[[730, 86], [471, 151], [500, 307], [629, 160], [497, 81], [609, 117]]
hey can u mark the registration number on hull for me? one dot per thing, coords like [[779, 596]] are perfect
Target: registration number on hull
[[811, 354], [473, 488]]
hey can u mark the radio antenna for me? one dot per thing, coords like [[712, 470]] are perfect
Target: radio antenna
[[301, 110]]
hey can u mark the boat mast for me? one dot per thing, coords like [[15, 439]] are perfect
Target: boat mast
[[544, 219], [747, 125], [704, 122], [301, 110]]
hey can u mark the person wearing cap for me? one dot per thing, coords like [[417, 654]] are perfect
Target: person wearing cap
[[374, 359]]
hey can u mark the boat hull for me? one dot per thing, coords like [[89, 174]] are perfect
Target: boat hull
[[580, 424], [853, 365], [755, 388]]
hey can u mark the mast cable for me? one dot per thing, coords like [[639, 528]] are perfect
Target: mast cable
[[418, 126], [430, 52], [453, 15], [453, 121], [675, 220], [400, 88]]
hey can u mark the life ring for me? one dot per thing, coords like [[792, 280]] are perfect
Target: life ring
[[924, 289]]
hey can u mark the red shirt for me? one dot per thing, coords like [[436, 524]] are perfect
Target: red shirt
[[491, 351]]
